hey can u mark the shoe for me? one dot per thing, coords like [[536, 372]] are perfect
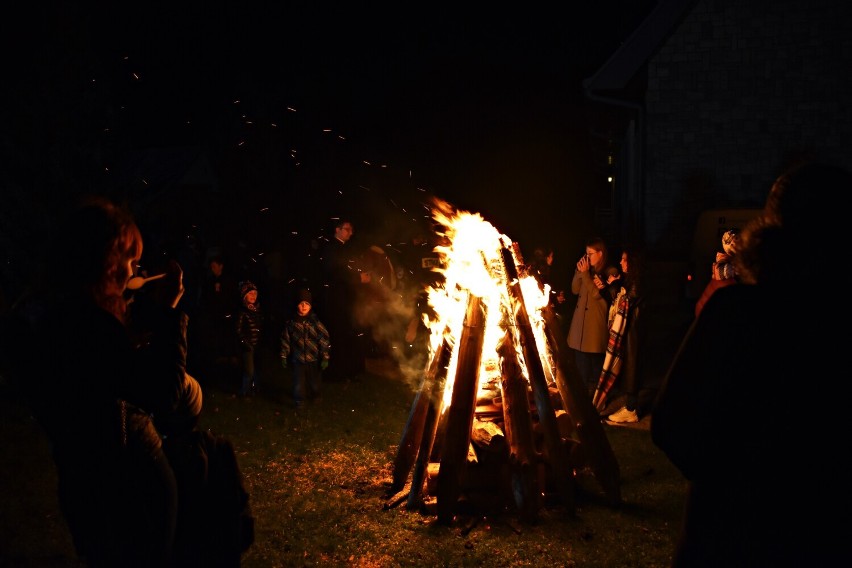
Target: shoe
[[623, 416]]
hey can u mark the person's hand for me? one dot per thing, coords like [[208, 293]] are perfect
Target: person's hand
[[583, 264], [324, 364], [598, 282], [284, 363], [169, 290]]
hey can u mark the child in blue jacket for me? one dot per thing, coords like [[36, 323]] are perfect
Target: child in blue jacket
[[305, 344]]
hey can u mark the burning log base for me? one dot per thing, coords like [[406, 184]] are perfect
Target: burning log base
[[501, 414]]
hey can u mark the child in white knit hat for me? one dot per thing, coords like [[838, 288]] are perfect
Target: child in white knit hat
[[249, 329], [724, 268], [723, 271]]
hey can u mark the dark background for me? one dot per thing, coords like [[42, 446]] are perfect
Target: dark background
[[307, 112]]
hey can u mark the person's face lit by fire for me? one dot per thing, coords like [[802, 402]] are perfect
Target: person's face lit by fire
[[125, 256], [304, 308], [624, 262], [344, 232], [595, 256]]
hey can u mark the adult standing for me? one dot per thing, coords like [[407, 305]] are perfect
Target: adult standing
[[87, 378], [341, 281], [213, 325], [588, 332], [743, 411], [625, 350]]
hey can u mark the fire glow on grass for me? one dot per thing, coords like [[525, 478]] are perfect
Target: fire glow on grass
[[473, 261]]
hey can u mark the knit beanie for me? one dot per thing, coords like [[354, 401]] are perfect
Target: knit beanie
[[304, 295], [246, 286]]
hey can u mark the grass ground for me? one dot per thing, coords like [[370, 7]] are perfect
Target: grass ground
[[319, 479]]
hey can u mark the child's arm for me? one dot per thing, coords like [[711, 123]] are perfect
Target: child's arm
[[324, 343], [285, 345]]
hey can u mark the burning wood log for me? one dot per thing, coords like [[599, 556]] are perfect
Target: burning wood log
[[556, 451], [457, 436], [578, 404], [488, 436], [414, 428], [519, 432], [433, 413]]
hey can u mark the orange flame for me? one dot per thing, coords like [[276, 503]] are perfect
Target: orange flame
[[473, 263]]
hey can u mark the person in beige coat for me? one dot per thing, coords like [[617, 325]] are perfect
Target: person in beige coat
[[588, 333]]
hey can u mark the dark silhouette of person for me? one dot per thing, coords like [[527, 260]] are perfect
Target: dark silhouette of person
[[743, 410], [341, 281], [104, 371], [213, 325], [87, 378]]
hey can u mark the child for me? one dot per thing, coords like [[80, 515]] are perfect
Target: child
[[305, 343], [249, 328], [724, 273], [723, 268]]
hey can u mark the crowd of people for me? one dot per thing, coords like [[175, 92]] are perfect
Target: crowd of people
[[125, 440]]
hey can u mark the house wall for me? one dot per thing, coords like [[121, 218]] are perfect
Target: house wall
[[738, 92]]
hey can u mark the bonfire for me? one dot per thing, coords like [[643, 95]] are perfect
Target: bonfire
[[501, 412]]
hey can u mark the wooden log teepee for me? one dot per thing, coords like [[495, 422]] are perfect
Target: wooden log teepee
[[539, 390]]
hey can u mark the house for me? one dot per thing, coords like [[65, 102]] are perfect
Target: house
[[708, 101]]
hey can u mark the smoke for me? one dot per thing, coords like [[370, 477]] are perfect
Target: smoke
[[388, 318]]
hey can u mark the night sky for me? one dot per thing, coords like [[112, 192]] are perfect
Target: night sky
[[304, 108]]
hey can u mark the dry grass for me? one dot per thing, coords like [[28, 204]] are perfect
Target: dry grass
[[319, 480]]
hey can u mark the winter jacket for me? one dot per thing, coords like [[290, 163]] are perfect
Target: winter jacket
[[306, 339], [249, 327], [589, 331], [85, 377]]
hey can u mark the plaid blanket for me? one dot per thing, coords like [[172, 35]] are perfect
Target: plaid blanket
[[614, 358]]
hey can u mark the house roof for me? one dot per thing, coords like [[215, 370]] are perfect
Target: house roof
[[635, 51]]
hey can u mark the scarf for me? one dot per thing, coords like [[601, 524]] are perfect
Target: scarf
[[614, 357]]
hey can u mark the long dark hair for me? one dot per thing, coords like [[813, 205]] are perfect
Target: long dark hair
[[635, 269]]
